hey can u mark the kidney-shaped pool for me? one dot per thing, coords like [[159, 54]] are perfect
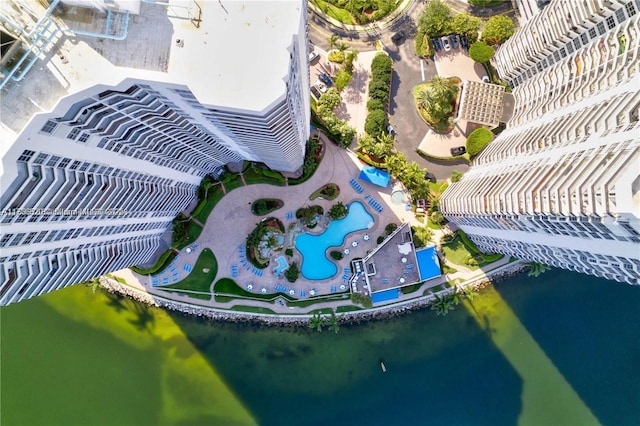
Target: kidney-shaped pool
[[315, 263]]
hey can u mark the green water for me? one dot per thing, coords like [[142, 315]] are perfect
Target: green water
[[560, 349]]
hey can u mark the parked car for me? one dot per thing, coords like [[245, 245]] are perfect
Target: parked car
[[463, 41], [485, 79], [315, 92], [445, 43], [436, 44], [320, 85], [458, 150], [430, 177], [454, 40], [397, 37], [313, 56], [325, 79]]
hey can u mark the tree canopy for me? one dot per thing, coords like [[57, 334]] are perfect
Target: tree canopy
[[436, 19], [481, 52], [466, 24], [497, 29]]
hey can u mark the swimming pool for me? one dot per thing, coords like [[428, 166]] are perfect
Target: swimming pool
[[282, 265], [428, 263], [315, 263]]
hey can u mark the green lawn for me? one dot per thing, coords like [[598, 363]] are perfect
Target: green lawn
[[198, 280], [256, 175], [227, 290], [254, 309], [348, 308], [460, 249], [163, 261], [233, 182], [212, 199], [335, 12], [194, 232], [202, 296]]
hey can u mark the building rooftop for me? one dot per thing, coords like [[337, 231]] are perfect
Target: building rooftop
[[232, 54], [483, 103]]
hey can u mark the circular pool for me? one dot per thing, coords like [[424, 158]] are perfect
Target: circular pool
[[398, 197]]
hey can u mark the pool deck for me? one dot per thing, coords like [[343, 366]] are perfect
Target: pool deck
[[231, 221]]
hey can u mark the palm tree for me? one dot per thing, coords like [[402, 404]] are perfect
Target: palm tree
[[332, 323], [442, 87], [536, 268], [469, 293], [442, 305], [342, 46], [333, 40], [206, 185], [425, 98], [338, 211], [316, 321]]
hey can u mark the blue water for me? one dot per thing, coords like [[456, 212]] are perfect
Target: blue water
[[428, 263], [73, 357], [282, 265], [383, 296], [315, 264]]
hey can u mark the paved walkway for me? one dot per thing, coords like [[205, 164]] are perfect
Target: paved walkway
[[231, 221]]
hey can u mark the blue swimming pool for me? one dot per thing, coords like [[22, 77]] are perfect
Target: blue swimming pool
[[428, 263], [315, 263], [282, 265]]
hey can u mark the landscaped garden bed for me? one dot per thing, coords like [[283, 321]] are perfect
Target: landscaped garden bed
[[436, 102], [265, 206], [266, 236], [328, 192]]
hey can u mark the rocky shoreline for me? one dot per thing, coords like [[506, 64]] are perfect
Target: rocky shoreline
[[354, 317]]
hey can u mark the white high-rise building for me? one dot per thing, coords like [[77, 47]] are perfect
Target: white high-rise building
[[561, 185], [112, 112]]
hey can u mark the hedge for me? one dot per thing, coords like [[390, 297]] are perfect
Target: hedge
[[163, 261]]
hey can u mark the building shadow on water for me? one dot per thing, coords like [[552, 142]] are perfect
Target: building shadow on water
[[435, 366]]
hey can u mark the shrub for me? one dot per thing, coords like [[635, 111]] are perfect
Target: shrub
[[292, 273], [342, 79], [374, 104], [265, 206], [477, 140], [376, 122], [421, 236], [380, 239], [289, 252], [437, 218], [481, 52], [336, 56], [335, 254], [390, 228], [456, 176]]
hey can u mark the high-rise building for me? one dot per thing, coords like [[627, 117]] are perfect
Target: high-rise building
[[113, 111], [561, 184]]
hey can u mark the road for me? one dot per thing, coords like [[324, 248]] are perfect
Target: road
[[408, 72]]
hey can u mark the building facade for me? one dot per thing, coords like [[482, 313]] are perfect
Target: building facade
[[91, 186], [561, 185]]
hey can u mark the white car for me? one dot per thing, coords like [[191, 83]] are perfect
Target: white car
[[320, 85], [445, 43], [312, 56], [485, 79]]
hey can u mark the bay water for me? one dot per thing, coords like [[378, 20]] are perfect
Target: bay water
[[558, 349]]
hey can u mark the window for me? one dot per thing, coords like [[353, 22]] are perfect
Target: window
[[611, 22], [601, 29], [620, 15], [73, 134], [49, 127], [26, 156], [83, 137], [592, 33], [631, 10]]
